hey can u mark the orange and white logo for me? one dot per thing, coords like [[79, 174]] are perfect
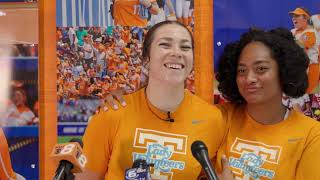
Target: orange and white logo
[[253, 155], [160, 146]]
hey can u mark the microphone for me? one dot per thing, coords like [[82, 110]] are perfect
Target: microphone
[[138, 171], [200, 152], [169, 119], [70, 159]]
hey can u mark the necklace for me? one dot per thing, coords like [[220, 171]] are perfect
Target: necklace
[[168, 119]]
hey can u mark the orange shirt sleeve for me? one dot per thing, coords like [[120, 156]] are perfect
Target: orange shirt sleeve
[[98, 142], [307, 168], [6, 170]]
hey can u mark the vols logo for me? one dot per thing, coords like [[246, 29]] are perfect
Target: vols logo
[[250, 158], [160, 146]]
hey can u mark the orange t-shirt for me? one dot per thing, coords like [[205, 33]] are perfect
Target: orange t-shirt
[[112, 64], [83, 88], [6, 171], [114, 139], [135, 81], [310, 41], [128, 13], [123, 67], [286, 150], [125, 36]]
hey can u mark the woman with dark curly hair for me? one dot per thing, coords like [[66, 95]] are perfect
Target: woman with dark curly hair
[[265, 139]]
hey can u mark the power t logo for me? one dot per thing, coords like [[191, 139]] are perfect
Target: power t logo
[[160, 146], [253, 155]]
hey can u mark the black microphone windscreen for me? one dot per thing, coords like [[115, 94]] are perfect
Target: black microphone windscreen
[[197, 146], [139, 163], [200, 153], [78, 141]]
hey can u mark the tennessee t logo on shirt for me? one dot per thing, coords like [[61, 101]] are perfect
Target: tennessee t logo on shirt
[[160, 146], [247, 159]]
